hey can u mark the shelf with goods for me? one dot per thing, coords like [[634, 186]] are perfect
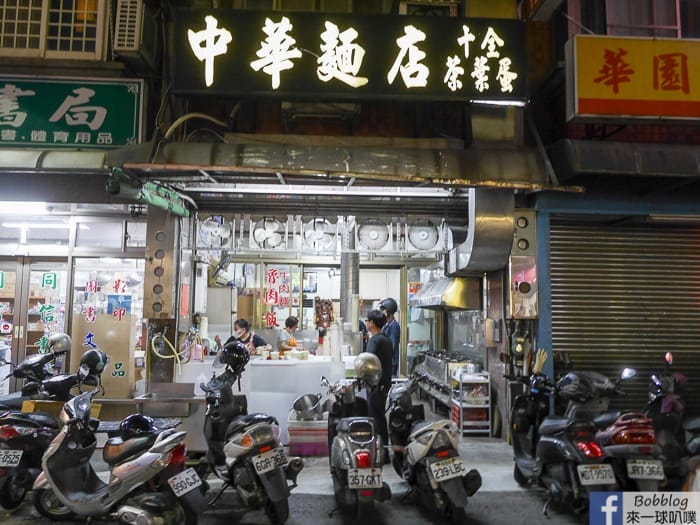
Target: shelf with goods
[[470, 405]]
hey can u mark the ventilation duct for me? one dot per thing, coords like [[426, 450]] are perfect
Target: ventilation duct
[[489, 233]]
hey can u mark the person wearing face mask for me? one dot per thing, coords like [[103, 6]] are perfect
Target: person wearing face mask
[[242, 333]]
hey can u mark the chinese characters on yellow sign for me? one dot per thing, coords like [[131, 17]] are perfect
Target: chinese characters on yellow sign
[[635, 77], [308, 53]]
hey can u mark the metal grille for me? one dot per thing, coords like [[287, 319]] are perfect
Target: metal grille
[[72, 26], [20, 26], [624, 296]]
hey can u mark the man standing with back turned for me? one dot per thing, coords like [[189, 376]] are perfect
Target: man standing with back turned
[[380, 345]]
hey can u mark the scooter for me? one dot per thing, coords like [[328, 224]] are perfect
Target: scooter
[[356, 457], [38, 373], [628, 439], [244, 449], [677, 435], [24, 437], [148, 484], [557, 453], [426, 455]]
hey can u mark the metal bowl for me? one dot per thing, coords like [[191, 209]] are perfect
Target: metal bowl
[[308, 407]]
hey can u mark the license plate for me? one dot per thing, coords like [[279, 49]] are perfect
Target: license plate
[[596, 474], [184, 482], [645, 469], [10, 458], [269, 460], [447, 469], [364, 478]]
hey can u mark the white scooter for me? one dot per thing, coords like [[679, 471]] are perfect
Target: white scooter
[[147, 485], [426, 455]]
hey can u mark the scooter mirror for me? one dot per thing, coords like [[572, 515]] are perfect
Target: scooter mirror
[[83, 372], [628, 373], [669, 358]]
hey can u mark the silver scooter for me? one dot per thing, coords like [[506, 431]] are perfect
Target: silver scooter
[[356, 457], [148, 484]]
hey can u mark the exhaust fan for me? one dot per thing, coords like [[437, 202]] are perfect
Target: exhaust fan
[[320, 235], [373, 234], [422, 235], [215, 232], [269, 233]]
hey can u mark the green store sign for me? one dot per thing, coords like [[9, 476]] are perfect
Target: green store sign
[[73, 113]]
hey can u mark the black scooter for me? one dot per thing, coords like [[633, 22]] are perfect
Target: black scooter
[[38, 373], [557, 453], [244, 450]]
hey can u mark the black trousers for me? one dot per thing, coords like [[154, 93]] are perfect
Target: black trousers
[[376, 404]]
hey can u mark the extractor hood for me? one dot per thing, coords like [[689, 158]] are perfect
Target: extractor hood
[[449, 293]]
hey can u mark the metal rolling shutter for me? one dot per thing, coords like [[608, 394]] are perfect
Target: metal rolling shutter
[[624, 296]]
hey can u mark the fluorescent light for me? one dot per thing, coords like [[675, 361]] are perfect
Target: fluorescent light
[[23, 208], [38, 225], [516, 103]]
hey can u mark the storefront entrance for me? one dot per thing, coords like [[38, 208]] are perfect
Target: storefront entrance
[[32, 307]]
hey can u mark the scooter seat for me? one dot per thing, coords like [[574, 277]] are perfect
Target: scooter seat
[[116, 449], [552, 425], [240, 423], [345, 423], [35, 419], [606, 419]]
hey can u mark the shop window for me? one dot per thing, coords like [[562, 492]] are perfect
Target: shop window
[[659, 18], [135, 234], [99, 235], [71, 29]]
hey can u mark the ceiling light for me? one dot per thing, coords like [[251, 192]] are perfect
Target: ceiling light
[[23, 208], [38, 225]]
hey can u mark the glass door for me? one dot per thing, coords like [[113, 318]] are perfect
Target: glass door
[[32, 307], [8, 326]]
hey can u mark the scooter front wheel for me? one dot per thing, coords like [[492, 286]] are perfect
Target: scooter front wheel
[[50, 506], [12, 493]]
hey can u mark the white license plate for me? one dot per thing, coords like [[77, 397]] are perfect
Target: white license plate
[[364, 478], [10, 458], [645, 469], [596, 474], [184, 482], [269, 460], [447, 469]]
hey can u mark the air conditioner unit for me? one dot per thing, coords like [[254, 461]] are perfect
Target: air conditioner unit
[[137, 36]]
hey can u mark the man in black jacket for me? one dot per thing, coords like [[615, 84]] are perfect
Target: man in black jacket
[[380, 345]]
